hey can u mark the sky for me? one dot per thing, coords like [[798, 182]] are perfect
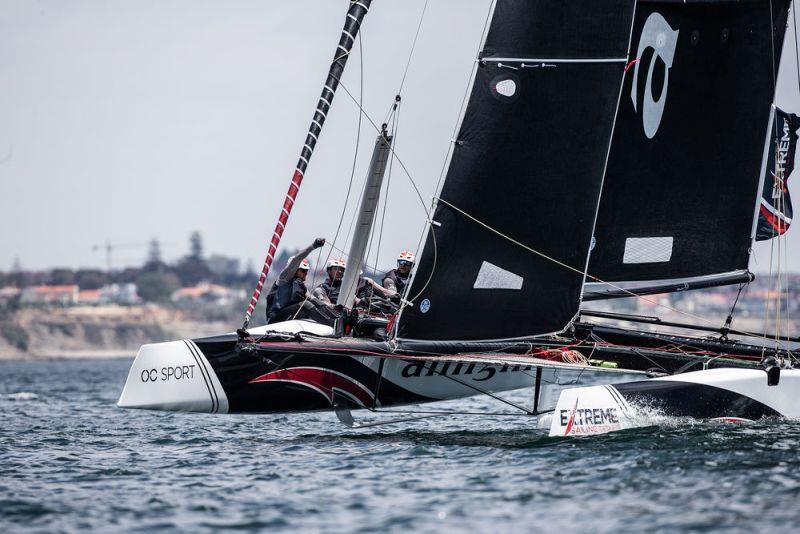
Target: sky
[[127, 120]]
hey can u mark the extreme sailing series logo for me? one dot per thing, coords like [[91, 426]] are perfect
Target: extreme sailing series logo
[[589, 420], [658, 35]]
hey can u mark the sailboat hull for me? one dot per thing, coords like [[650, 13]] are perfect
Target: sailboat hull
[[218, 375], [729, 394]]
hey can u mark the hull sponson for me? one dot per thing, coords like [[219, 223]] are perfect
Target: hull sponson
[[698, 401]]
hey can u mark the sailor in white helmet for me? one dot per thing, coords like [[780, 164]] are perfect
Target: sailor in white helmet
[[328, 291], [396, 280], [288, 294]]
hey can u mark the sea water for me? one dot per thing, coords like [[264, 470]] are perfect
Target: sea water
[[71, 460]]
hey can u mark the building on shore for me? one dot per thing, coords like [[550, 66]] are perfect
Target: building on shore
[[64, 295], [210, 293]]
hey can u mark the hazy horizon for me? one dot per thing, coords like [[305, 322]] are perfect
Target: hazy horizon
[[126, 121]]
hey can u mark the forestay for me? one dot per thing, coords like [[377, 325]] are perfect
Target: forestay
[[688, 148], [528, 163]]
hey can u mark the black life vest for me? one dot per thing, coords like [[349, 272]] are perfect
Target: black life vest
[[281, 296], [400, 280], [331, 289]]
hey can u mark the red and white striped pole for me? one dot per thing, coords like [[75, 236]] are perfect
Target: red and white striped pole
[[355, 15]]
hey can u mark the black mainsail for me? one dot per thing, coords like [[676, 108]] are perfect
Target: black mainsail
[[527, 163], [687, 152]]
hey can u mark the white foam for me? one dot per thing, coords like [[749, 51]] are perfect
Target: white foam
[[23, 396]]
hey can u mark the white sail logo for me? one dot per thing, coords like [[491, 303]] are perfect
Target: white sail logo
[[658, 35]]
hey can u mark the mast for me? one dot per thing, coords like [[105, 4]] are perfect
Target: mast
[[366, 218], [355, 16]]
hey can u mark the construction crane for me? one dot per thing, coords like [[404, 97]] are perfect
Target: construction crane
[[110, 247]]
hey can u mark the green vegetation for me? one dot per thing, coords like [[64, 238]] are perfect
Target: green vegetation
[[156, 286], [154, 333], [94, 333], [15, 335]]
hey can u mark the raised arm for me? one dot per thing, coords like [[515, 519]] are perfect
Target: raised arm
[[287, 274]]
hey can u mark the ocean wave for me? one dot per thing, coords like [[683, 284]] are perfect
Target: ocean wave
[[22, 396]]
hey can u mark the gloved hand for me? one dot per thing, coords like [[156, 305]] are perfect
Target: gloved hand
[[318, 242]]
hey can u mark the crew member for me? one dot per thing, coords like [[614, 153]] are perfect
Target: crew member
[[368, 288], [288, 297], [328, 291], [396, 280]]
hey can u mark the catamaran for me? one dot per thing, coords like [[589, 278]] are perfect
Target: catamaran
[[606, 149]]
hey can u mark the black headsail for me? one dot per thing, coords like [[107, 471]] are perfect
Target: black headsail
[[688, 148], [528, 163], [775, 210]]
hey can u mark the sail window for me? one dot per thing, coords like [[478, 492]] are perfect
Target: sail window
[[506, 87], [491, 276], [647, 250]]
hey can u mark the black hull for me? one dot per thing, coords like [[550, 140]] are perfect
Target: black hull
[[282, 373], [281, 376], [698, 401]]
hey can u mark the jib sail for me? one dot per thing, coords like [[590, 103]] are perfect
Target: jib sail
[[775, 209], [525, 175], [686, 156]]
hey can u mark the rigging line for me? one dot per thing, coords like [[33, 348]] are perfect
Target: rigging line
[[767, 299], [468, 86], [358, 141], [448, 154], [395, 126], [413, 46], [346, 254], [433, 265], [485, 414], [775, 126], [355, 210], [435, 369], [413, 183], [569, 267], [729, 319], [408, 62], [380, 132], [352, 176]]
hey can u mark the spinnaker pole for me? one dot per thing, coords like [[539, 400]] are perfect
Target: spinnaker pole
[[355, 15]]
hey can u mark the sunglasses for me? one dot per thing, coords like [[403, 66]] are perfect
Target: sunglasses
[[404, 262]]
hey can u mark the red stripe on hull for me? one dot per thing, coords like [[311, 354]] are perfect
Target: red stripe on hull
[[323, 381]]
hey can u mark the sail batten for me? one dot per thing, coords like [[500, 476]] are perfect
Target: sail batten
[[555, 60], [604, 291]]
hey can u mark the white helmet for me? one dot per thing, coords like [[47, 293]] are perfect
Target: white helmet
[[304, 265], [406, 255], [335, 262]]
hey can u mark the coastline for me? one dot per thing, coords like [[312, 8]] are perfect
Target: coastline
[[95, 332]]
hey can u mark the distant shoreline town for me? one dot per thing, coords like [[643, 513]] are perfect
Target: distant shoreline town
[[91, 312], [64, 312]]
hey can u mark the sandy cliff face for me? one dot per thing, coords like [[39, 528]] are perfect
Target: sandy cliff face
[[97, 331]]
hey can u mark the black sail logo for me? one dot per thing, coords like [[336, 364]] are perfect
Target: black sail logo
[[658, 35]]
